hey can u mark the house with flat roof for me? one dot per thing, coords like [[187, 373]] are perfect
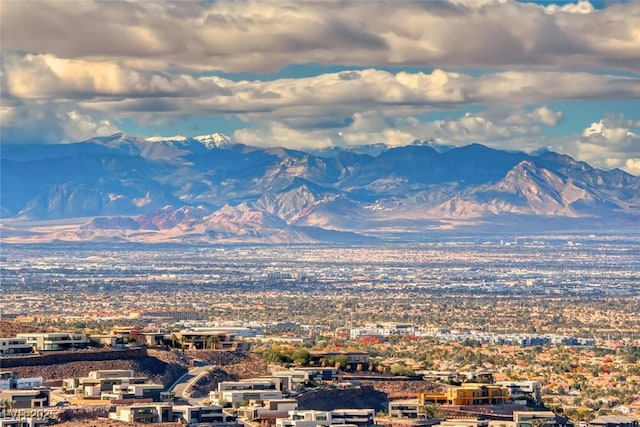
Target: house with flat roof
[[113, 384], [355, 357], [10, 380], [55, 341], [203, 339], [525, 391], [468, 394], [134, 391], [614, 421], [404, 408], [253, 384], [24, 421], [306, 418], [539, 418], [26, 399], [153, 413], [141, 413], [464, 422], [357, 417], [15, 346], [201, 414], [238, 397], [322, 375], [267, 409]]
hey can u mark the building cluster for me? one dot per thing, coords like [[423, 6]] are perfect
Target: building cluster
[[199, 338], [275, 386], [137, 400], [469, 397], [386, 330], [23, 401], [21, 394], [115, 385], [383, 330], [270, 399], [152, 413]]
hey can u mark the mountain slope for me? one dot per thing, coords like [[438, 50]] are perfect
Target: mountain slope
[[207, 189]]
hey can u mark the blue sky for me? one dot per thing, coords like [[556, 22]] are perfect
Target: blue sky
[[513, 75]]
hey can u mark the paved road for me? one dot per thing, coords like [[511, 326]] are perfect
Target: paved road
[[182, 387]]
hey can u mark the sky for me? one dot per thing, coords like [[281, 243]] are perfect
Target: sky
[[512, 75]]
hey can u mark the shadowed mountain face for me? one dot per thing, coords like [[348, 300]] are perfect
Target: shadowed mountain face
[[207, 189]]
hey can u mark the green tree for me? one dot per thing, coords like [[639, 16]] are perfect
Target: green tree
[[301, 357], [339, 361], [430, 410]]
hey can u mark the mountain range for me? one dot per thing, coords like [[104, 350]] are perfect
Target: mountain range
[[209, 189]]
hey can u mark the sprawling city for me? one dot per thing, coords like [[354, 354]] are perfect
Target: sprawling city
[[457, 330]]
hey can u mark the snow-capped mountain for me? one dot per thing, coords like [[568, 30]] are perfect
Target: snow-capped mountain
[[208, 189]]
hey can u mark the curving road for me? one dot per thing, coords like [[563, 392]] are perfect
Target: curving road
[[182, 387]]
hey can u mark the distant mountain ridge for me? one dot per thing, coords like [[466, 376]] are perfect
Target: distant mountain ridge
[[210, 189]]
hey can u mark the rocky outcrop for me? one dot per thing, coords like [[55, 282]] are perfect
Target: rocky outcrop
[[362, 397]]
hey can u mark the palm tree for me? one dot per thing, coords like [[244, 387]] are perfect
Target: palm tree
[[212, 341], [430, 410]]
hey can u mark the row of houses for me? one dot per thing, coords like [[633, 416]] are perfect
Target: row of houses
[[191, 339], [215, 416], [167, 412], [534, 419]]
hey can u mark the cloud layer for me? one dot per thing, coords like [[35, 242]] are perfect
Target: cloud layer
[[263, 36], [75, 69]]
